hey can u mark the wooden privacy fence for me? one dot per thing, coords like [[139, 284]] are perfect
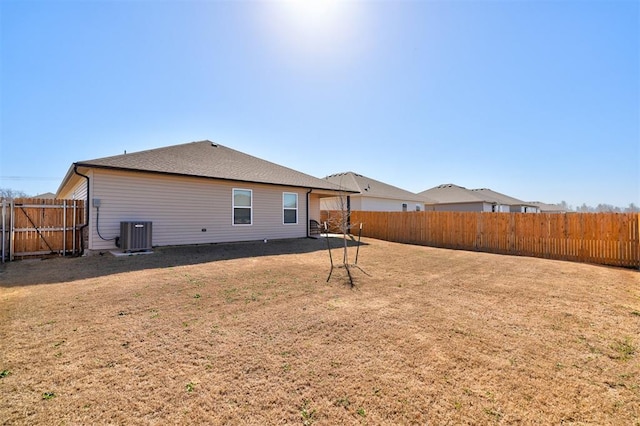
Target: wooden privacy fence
[[601, 238], [37, 227]]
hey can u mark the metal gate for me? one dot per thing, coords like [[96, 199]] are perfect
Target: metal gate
[[37, 227]]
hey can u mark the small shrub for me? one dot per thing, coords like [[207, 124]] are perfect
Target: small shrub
[[48, 395]]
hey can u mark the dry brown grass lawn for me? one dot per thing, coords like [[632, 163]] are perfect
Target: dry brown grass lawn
[[252, 334]]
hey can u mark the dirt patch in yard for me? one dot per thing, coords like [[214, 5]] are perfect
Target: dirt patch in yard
[[251, 333]]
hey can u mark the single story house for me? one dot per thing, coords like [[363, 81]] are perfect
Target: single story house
[[450, 197], [45, 196], [370, 195], [548, 208], [194, 193], [515, 205]]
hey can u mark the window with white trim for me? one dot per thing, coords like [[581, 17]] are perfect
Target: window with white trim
[[242, 206], [289, 208], [404, 207]]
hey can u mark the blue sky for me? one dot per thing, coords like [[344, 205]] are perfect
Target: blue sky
[[536, 99]]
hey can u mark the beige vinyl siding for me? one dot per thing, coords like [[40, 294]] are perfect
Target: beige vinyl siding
[[339, 203], [314, 207], [78, 191], [355, 202], [372, 204], [461, 207], [181, 207], [330, 203]]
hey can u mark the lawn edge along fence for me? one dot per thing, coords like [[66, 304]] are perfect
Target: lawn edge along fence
[[36, 227], [599, 238]]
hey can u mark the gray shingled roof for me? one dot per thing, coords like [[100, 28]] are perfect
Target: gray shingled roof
[[371, 187], [547, 208], [210, 160], [450, 193], [499, 197]]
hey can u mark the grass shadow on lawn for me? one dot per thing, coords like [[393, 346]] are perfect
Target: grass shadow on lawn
[[66, 269]]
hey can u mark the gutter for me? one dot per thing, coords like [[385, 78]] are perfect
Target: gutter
[[86, 207], [308, 220]]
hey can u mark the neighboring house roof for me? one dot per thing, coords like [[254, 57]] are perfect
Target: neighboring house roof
[[371, 187], [206, 159], [450, 193], [499, 198], [548, 208], [46, 195]]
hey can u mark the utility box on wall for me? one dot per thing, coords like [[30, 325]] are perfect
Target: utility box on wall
[[135, 236]]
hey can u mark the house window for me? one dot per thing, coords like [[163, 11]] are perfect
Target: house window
[[417, 207], [404, 207], [290, 207], [242, 206]]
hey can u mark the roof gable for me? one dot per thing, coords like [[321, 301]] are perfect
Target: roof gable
[[371, 187], [209, 160], [450, 193], [498, 197]]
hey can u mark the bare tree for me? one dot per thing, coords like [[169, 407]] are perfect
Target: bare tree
[[339, 221], [10, 194], [584, 208], [565, 206], [632, 208], [607, 208]]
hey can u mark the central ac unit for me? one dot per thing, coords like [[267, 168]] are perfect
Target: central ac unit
[[135, 236]]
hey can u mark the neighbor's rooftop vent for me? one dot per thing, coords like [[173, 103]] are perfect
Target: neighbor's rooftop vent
[[450, 185]]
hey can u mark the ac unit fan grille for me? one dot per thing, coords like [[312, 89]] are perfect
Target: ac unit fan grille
[[135, 236]]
